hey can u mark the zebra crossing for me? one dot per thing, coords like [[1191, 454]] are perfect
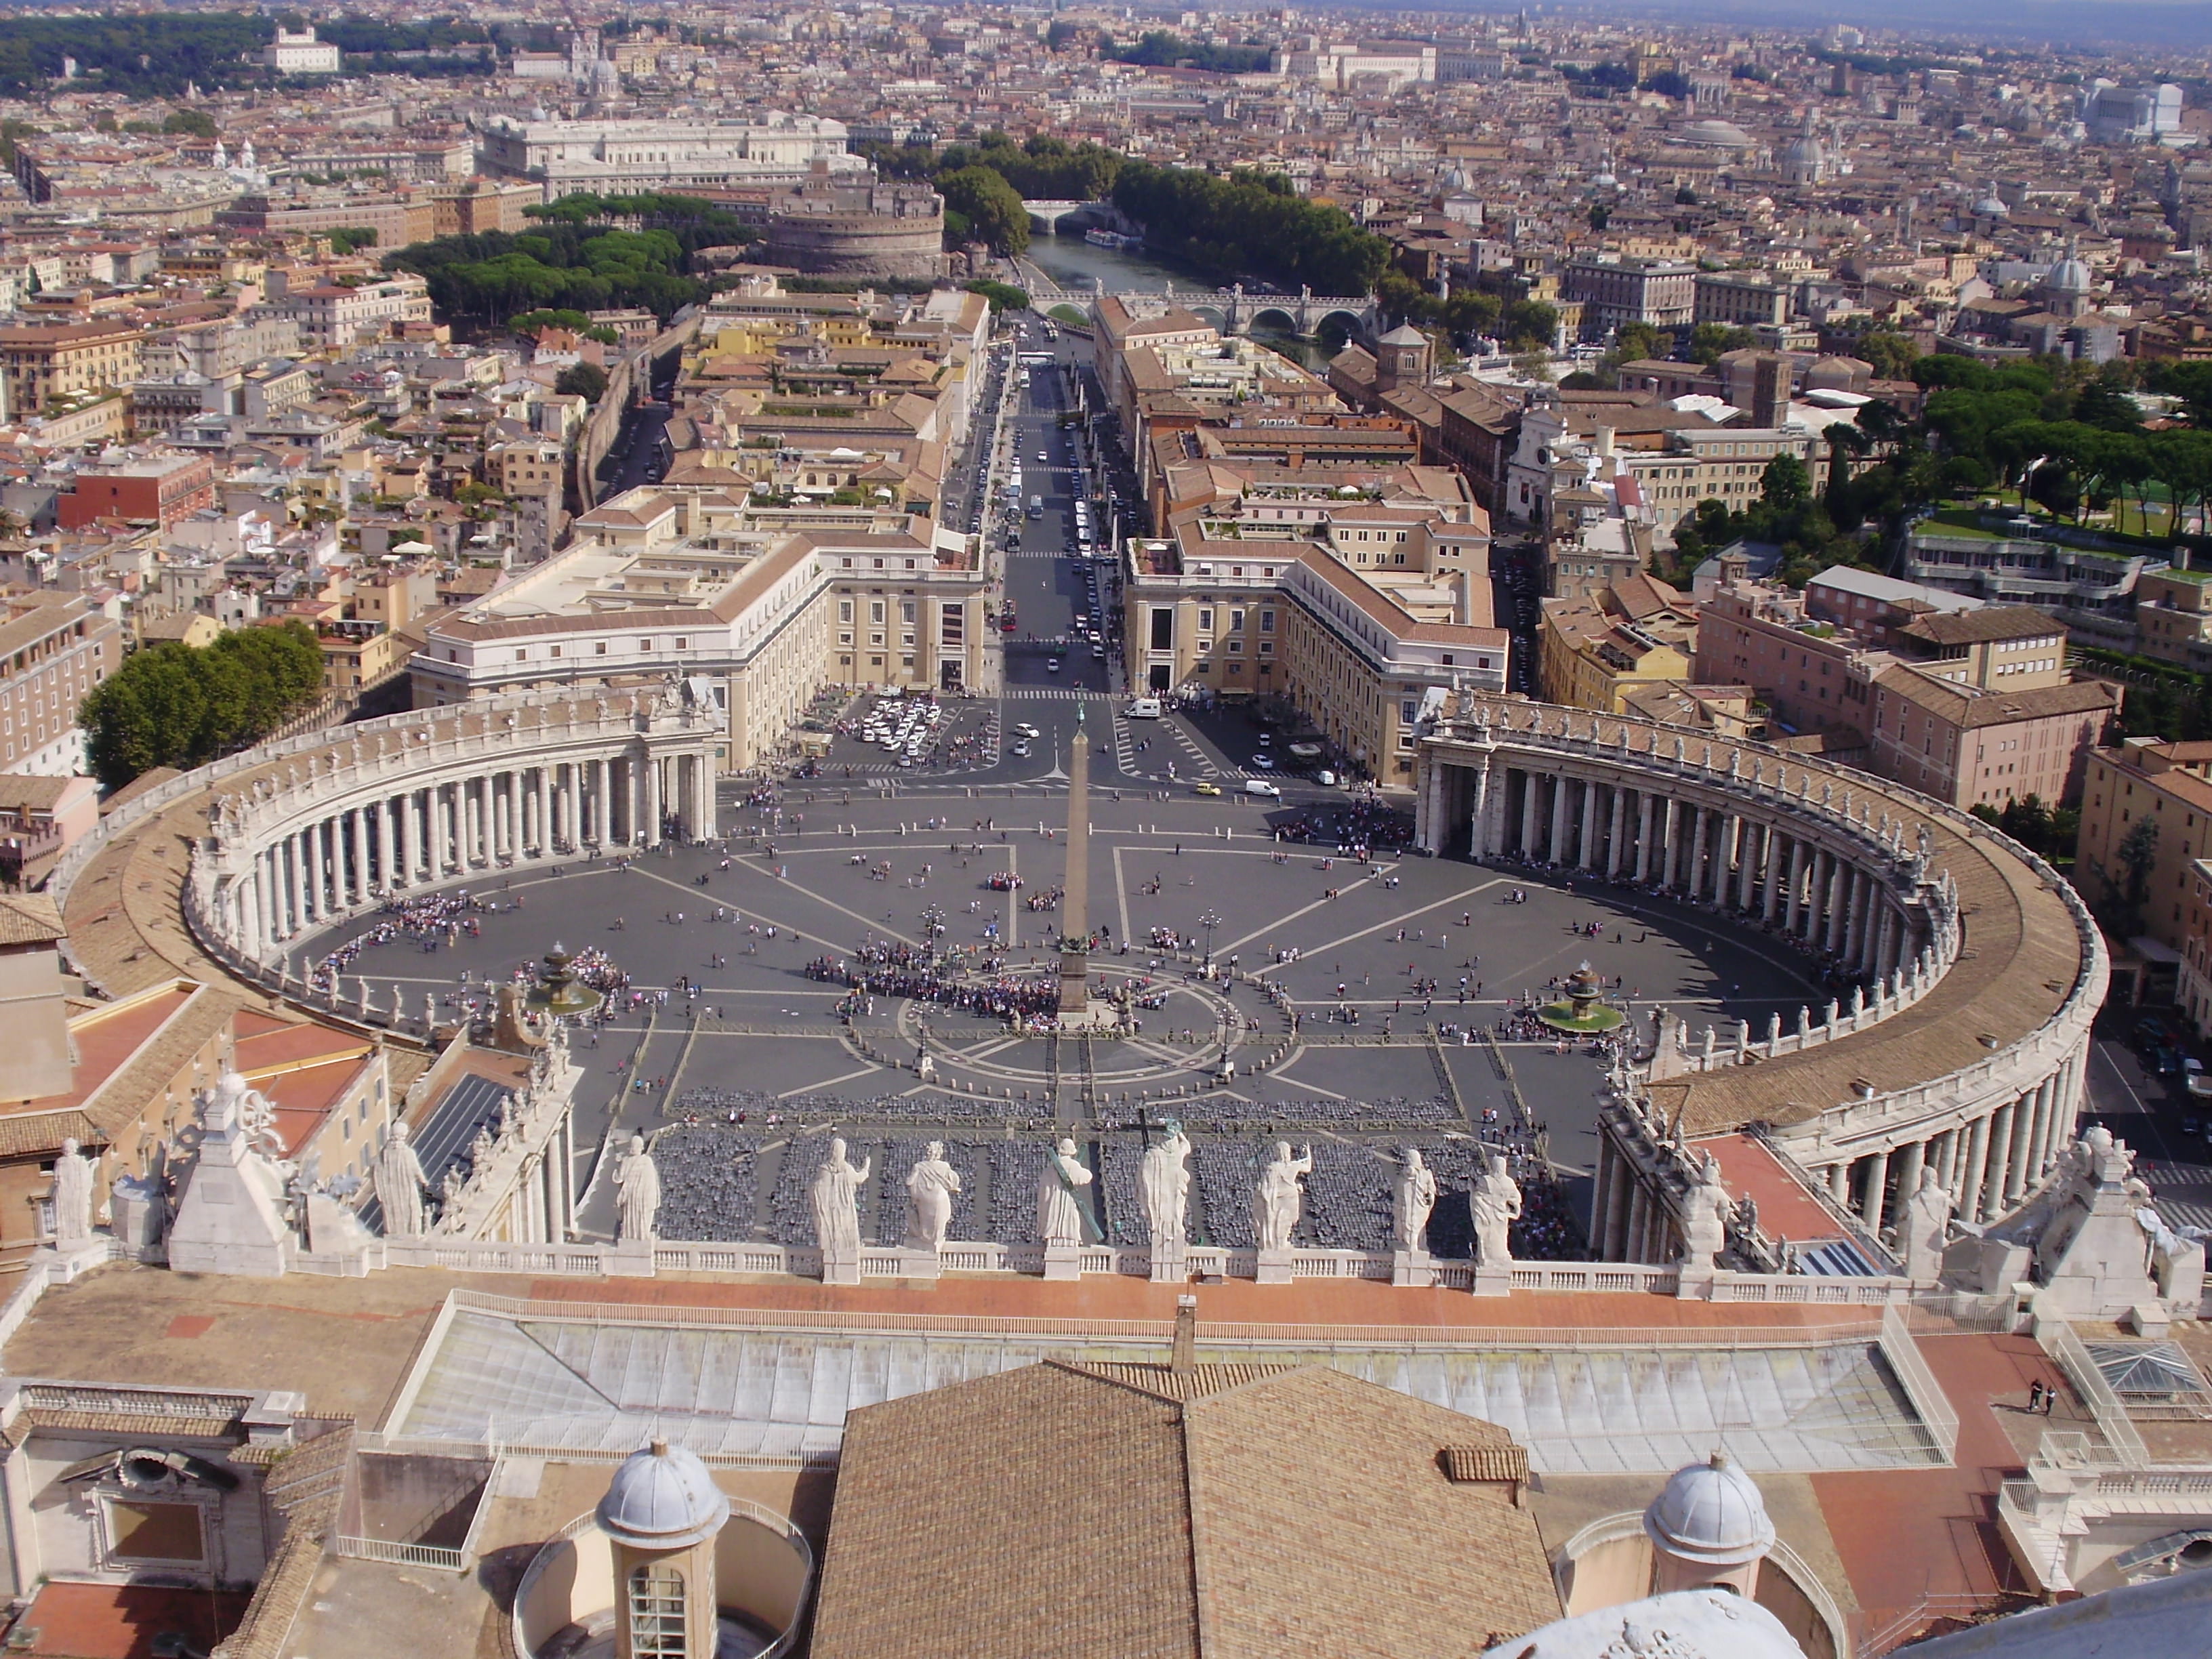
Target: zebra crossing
[[1050, 693], [2183, 1190]]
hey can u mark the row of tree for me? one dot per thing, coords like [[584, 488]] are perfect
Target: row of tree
[[183, 705], [573, 261], [1497, 307], [1249, 224]]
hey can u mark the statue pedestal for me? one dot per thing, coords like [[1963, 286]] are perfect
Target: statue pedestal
[[1493, 1280], [632, 1258], [919, 1264], [1272, 1268], [1063, 1261], [839, 1269], [1695, 1283], [1410, 1267], [1170, 1263]]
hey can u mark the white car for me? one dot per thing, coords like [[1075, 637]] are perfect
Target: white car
[[1053, 667], [1262, 787], [1264, 763], [1025, 729]]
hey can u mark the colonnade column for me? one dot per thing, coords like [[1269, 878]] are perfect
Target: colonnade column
[[1557, 851], [1645, 803], [1770, 858], [651, 767], [2000, 1161], [1792, 922], [1871, 1193], [602, 799], [1616, 845], [1973, 1170]]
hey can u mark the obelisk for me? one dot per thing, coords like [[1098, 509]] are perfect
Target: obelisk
[[1075, 886]]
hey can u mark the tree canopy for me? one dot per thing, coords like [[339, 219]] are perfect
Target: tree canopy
[[182, 706], [1250, 224], [992, 207]]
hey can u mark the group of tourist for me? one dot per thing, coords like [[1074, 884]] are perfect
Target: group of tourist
[[430, 920]]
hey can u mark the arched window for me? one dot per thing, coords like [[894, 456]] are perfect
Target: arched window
[[656, 1612]]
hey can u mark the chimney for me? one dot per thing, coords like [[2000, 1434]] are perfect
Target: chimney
[[1467, 598], [1605, 442], [1184, 1359]]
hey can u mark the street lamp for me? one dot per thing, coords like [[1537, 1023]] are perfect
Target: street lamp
[[1209, 921]]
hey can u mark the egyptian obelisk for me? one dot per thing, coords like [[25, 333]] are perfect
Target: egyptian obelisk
[[1075, 886]]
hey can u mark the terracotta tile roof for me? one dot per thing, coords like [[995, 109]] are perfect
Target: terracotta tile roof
[[1970, 707], [1990, 622], [1068, 1511], [29, 919]]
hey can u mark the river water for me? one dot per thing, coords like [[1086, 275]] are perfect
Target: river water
[[1072, 263]]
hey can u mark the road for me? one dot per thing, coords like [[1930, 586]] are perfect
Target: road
[[641, 453]]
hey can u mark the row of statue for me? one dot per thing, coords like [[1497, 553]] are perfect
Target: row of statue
[[1163, 1189]]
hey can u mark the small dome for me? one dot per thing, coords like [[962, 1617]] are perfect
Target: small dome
[[1989, 208], [2069, 276], [1404, 334], [1710, 1512], [1804, 148], [1715, 135], [663, 1499]]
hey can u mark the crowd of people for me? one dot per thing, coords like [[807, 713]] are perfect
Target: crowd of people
[[430, 922], [893, 969]]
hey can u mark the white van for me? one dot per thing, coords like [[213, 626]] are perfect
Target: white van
[[1144, 709]]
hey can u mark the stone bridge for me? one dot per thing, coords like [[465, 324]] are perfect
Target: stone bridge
[[1233, 311]]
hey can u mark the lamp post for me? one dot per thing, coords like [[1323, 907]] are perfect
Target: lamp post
[[1209, 921]]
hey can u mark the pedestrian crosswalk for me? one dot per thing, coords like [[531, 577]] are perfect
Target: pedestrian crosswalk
[[1050, 694]]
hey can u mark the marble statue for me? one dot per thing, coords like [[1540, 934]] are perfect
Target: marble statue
[[400, 1184], [1924, 1228], [72, 1196], [1164, 1187], [1704, 1217], [1059, 1210], [835, 1197], [1278, 1198], [638, 1189], [1414, 1197], [930, 1187], [1493, 1204]]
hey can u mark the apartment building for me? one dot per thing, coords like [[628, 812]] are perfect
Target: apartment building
[[39, 362], [2174, 616], [1613, 290], [1593, 652], [1970, 745], [1739, 299], [160, 489], [2170, 785], [756, 608], [328, 315], [54, 648]]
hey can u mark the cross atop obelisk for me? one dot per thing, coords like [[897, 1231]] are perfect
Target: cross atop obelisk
[[1075, 885]]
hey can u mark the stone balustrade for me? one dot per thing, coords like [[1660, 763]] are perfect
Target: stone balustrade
[[316, 832], [1977, 969]]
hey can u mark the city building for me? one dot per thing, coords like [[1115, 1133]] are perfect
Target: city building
[[39, 363], [616, 156], [54, 648], [1613, 290]]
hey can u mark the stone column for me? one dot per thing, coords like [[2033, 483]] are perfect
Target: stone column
[[1913, 1159], [1839, 876], [1601, 1194], [1646, 804], [294, 912], [2019, 1173], [653, 814], [1557, 850], [1999, 1163], [1616, 840], [603, 797], [1669, 832], [1751, 841], [411, 838], [1871, 1192], [1972, 1167], [1725, 849], [1793, 920], [487, 787], [1478, 834], [1623, 1194], [1855, 931], [1839, 1183], [357, 890], [314, 903], [543, 829], [1527, 815], [1771, 841]]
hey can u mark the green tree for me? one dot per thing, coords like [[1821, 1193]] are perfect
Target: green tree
[[993, 208], [1785, 483], [349, 239], [190, 122], [585, 380], [1003, 296], [1889, 354], [1710, 341], [1635, 343], [174, 705]]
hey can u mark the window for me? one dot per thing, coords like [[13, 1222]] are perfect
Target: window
[[845, 609], [1205, 622], [657, 1612], [600, 649]]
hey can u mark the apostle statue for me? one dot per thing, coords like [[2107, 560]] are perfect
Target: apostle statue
[[1278, 1198], [72, 1196], [1494, 1205], [1705, 1211], [400, 1185], [930, 1187], [1414, 1197], [638, 1195], [1164, 1187], [836, 1200], [1059, 1204], [1926, 1227]]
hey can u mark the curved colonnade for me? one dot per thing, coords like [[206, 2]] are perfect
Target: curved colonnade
[[297, 835], [1981, 969]]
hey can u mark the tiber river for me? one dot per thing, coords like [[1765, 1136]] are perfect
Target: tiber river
[[1071, 262]]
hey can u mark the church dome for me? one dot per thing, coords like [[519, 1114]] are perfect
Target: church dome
[[1710, 1512], [663, 1499], [2069, 276], [1804, 150], [1715, 135]]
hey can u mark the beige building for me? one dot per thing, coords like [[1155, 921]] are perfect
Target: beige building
[[756, 608], [1975, 746], [1592, 653], [2170, 785], [39, 362]]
